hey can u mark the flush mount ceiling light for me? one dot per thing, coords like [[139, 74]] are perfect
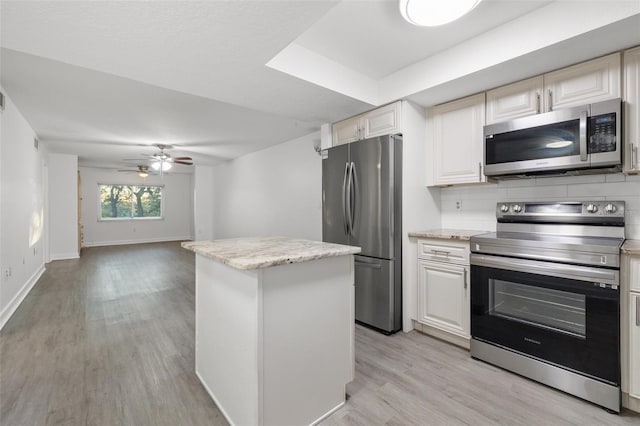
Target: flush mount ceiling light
[[431, 13]]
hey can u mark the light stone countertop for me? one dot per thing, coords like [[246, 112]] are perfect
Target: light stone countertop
[[264, 252], [447, 234], [631, 247]]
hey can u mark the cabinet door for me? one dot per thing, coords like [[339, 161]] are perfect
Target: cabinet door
[[634, 345], [631, 98], [455, 136], [346, 131], [634, 273], [515, 100], [584, 83], [443, 297], [382, 121]]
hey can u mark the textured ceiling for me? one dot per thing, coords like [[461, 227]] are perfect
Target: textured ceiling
[[107, 79]]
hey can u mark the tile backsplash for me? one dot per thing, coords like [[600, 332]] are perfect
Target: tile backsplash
[[477, 204]]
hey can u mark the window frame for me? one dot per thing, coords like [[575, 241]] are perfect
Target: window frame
[[129, 218]]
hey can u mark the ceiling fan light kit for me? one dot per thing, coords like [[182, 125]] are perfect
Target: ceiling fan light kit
[[431, 13], [163, 164]]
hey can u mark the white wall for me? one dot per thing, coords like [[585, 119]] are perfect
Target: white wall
[[276, 191], [479, 202], [62, 206], [21, 210], [203, 202], [420, 207], [177, 223]]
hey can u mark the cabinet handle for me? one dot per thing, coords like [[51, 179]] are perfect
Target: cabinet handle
[[550, 100], [638, 311], [634, 156], [479, 171], [465, 278], [538, 105], [440, 252]]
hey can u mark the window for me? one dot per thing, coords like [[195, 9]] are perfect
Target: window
[[130, 201]]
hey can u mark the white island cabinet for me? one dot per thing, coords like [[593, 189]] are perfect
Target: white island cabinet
[[274, 327]]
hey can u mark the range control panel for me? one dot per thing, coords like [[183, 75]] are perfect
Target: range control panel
[[560, 211]]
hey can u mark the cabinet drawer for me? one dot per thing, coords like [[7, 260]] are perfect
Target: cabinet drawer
[[444, 251], [634, 273]]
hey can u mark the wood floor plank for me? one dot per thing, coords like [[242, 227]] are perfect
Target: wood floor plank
[[108, 339]]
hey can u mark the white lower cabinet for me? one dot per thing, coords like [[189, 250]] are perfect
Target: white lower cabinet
[[443, 293], [630, 331], [634, 345]]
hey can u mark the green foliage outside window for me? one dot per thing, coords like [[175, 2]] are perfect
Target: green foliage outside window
[[129, 201]]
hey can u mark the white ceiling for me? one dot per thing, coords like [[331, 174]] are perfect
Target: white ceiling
[[105, 80], [381, 42]]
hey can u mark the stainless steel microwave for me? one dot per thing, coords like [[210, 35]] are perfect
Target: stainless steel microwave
[[573, 139]]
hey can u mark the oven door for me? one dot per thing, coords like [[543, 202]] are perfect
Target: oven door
[[561, 314]]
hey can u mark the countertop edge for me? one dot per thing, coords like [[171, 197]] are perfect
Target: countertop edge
[[447, 234], [245, 262], [631, 247]]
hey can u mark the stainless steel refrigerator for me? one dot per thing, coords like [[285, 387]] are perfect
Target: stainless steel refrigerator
[[362, 206]]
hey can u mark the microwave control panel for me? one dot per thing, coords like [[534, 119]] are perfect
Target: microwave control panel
[[602, 133]]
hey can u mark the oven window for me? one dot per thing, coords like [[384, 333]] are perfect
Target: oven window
[[542, 307]]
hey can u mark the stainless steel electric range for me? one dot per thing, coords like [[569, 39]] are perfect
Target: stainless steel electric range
[[545, 298]]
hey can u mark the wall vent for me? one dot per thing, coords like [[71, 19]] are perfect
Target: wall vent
[[1, 101]]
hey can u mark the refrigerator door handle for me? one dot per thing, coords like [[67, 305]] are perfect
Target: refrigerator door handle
[[368, 265], [352, 197], [344, 199]]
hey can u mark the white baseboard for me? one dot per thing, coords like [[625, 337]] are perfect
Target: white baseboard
[[140, 241], [8, 311], [630, 402], [63, 256]]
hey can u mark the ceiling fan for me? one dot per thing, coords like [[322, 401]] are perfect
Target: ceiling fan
[[142, 171], [161, 161]]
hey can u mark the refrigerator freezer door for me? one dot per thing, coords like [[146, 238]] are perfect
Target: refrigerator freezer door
[[373, 196], [375, 295], [334, 226]]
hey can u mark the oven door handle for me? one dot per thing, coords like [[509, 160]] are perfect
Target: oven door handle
[[579, 273]]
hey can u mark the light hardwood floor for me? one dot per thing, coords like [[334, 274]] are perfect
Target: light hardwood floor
[[108, 340]]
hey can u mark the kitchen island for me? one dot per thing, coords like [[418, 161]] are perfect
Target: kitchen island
[[274, 327]]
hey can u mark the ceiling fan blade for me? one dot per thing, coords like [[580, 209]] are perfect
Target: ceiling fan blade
[[128, 171], [186, 163], [182, 158]]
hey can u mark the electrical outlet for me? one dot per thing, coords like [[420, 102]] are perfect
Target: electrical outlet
[[458, 205], [7, 272]]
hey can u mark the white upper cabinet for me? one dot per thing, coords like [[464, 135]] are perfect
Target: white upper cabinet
[[454, 134], [580, 84], [515, 100], [382, 121], [584, 83], [385, 120], [631, 97], [346, 131]]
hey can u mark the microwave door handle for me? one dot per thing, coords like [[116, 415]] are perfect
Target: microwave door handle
[[583, 136]]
